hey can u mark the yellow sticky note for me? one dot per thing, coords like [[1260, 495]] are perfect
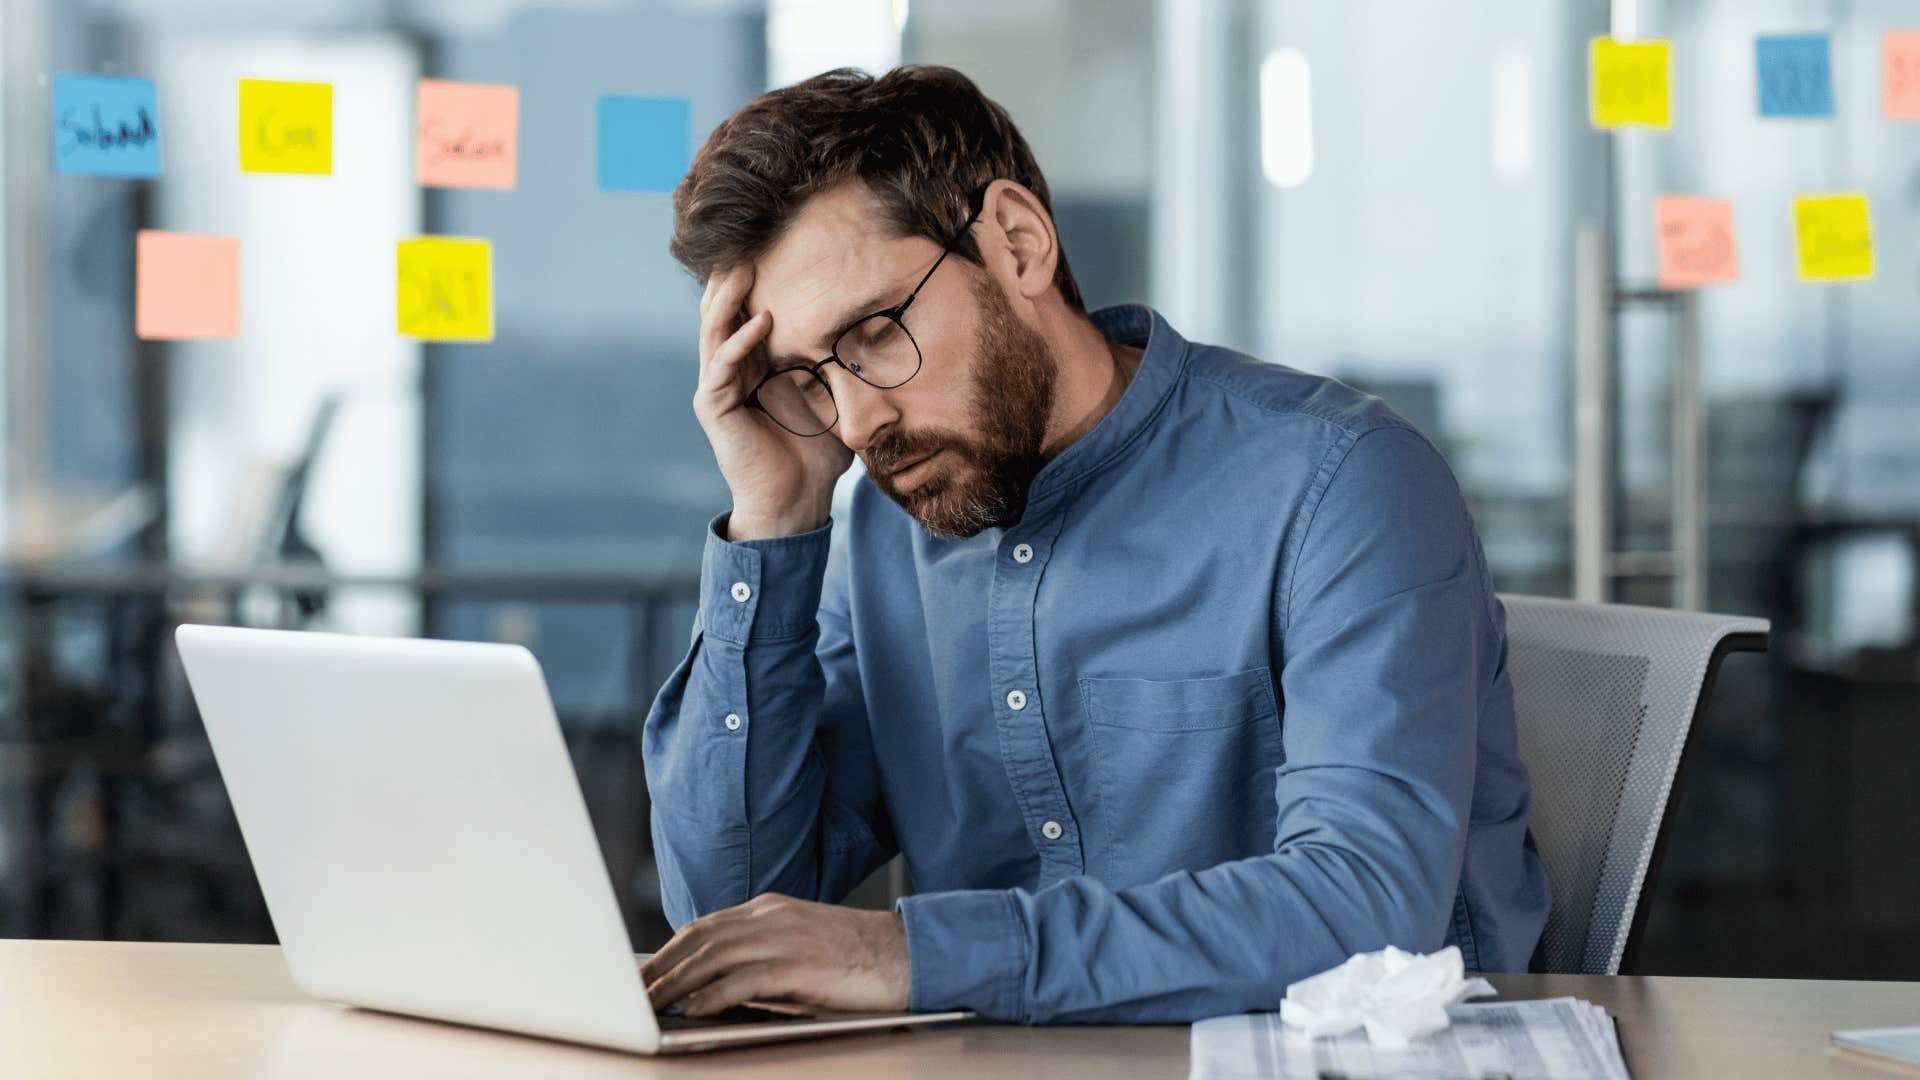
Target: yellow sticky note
[[445, 290], [286, 127], [1630, 83], [1833, 237]]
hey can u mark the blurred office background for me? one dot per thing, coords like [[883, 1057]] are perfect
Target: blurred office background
[[1403, 193]]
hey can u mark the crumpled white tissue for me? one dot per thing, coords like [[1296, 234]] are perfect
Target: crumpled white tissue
[[1397, 996]]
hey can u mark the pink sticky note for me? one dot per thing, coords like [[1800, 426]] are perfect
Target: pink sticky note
[[1900, 75], [1693, 241], [467, 134], [186, 286]]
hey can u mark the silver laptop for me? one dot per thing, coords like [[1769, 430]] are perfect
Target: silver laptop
[[422, 843]]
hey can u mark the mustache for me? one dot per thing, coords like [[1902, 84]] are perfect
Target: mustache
[[883, 459]]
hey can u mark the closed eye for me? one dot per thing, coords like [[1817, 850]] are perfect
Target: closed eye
[[878, 331]]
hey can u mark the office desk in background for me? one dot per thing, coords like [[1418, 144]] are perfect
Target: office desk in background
[[115, 1009], [123, 722]]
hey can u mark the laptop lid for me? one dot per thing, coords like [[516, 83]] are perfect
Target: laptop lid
[[418, 830]]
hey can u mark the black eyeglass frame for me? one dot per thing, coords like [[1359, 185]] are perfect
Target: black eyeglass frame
[[896, 314]]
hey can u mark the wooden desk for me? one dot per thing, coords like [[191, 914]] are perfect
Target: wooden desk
[[94, 1009]]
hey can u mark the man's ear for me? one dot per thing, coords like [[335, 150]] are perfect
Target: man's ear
[[1021, 244]]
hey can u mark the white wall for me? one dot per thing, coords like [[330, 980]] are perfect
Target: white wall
[[317, 285]]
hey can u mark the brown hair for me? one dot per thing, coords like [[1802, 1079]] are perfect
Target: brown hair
[[923, 138]]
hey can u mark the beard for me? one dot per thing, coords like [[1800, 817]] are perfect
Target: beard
[[983, 481]]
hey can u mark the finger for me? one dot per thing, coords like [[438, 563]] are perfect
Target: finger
[[692, 937], [688, 938], [727, 951], [725, 369], [698, 932], [715, 282], [717, 323], [651, 968], [762, 980], [714, 958]]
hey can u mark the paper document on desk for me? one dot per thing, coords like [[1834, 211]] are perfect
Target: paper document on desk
[[1557, 1039]]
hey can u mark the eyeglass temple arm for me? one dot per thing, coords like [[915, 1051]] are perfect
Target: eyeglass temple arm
[[944, 252]]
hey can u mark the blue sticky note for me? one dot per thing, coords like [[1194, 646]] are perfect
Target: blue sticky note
[[105, 125], [645, 142], [1796, 76]]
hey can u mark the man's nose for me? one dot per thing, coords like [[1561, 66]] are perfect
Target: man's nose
[[864, 409]]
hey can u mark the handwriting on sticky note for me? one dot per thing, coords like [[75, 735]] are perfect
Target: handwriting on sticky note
[[467, 134], [1630, 83], [286, 127], [186, 286], [1900, 75], [1693, 241], [445, 289], [105, 125], [1833, 237], [1794, 75]]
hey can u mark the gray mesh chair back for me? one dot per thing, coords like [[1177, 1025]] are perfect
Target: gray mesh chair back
[[1606, 697]]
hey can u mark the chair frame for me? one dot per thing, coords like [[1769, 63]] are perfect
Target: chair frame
[[1733, 642]]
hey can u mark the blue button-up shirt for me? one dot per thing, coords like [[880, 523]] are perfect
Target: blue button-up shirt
[[1229, 704]]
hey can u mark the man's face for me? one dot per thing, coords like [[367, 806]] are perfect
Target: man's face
[[957, 445]]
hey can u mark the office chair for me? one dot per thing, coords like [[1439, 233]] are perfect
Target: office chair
[[1607, 698]]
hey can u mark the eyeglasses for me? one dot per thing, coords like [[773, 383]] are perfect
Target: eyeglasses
[[877, 349]]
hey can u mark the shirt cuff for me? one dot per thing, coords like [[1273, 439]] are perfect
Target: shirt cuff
[[966, 949], [761, 590]]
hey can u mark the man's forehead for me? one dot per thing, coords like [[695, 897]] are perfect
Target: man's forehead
[[833, 254]]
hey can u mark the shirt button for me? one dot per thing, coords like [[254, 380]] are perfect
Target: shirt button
[[1023, 554], [1051, 830], [740, 591], [733, 721], [1016, 700]]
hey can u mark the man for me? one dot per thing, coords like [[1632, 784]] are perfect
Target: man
[[1174, 675]]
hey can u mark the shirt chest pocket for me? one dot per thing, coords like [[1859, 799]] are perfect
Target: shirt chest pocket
[[1223, 701], [1183, 769]]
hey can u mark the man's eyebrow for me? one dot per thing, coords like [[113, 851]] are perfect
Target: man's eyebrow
[[851, 314]]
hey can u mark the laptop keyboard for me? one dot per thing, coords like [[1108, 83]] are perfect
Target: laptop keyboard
[[671, 1020]]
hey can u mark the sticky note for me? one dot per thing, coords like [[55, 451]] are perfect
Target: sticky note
[[445, 290], [1630, 83], [645, 142], [186, 286], [1794, 74], [466, 134], [286, 127], [1833, 237], [105, 125], [1900, 75], [1693, 241]]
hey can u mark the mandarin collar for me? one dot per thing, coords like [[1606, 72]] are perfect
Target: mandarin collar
[[1161, 364]]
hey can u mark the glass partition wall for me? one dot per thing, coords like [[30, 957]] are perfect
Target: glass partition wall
[[1405, 195]]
